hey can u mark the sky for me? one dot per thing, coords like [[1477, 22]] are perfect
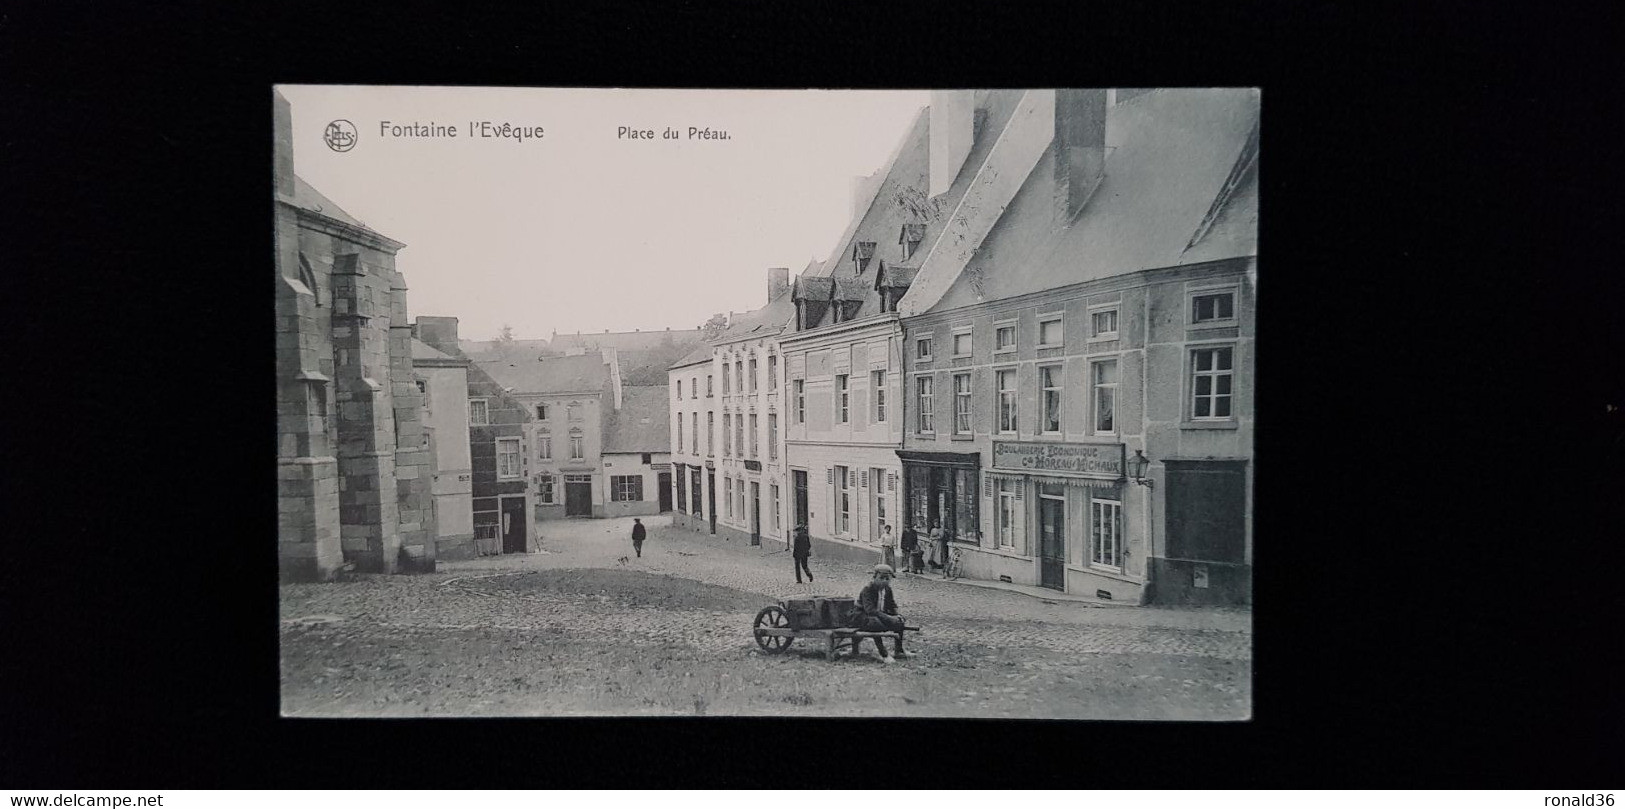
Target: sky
[[582, 229]]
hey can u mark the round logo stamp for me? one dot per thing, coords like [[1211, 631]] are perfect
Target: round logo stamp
[[340, 135]]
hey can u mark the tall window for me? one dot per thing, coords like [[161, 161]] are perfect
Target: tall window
[[962, 404], [841, 399], [739, 435], [1007, 400], [479, 413], [843, 523], [727, 434], [541, 409], [724, 379], [693, 385], [739, 492], [1049, 381], [799, 387], [696, 431], [577, 449], [877, 383], [773, 500], [772, 436], [679, 390], [1212, 369], [739, 375], [1105, 385], [625, 488], [544, 446], [710, 433], [923, 385], [574, 411], [507, 458], [728, 484], [1010, 515], [709, 392], [772, 372], [1106, 533], [1049, 333], [679, 432], [544, 489], [878, 491], [753, 435], [752, 374]]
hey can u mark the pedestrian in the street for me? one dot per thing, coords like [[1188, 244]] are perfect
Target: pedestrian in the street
[[888, 546], [937, 546], [877, 612], [638, 533], [942, 549], [912, 550], [800, 551]]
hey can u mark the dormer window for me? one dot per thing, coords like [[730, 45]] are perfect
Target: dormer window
[[910, 237], [861, 253]]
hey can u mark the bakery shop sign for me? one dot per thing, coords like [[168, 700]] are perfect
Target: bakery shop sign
[[1047, 456]]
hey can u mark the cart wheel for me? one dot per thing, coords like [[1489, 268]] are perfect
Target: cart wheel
[[772, 617]]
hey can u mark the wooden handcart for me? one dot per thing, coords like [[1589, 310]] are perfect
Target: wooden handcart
[[774, 632]]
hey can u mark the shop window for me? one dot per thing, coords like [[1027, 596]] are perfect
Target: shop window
[[1010, 513], [1212, 371], [1106, 534], [626, 488]]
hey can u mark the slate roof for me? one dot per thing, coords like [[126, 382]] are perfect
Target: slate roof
[[1169, 154], [428, 354], [306, 196], [701, 353], [529, 374], [621, 340], [643, 424]]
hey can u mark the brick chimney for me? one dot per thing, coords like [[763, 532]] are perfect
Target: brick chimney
[[438, 332], [282, 114], [1080, 149], [778, 280], [953, 128]]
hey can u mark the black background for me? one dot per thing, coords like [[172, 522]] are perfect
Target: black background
[[1437, 481]]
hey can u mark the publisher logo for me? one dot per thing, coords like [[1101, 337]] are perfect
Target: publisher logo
[[340, 135]]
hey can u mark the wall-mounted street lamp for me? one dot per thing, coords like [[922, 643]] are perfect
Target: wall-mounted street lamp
[[1136, 468]]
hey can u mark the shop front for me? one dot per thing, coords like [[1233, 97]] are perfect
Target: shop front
[[940, 492]]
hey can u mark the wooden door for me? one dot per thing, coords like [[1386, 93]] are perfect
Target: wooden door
[[755, 513], [711, 500], [800, 476], [513, 525], [1052, 543], [665, 492], [578, 499]]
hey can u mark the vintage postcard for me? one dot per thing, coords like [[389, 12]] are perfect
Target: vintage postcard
[[908, 403]]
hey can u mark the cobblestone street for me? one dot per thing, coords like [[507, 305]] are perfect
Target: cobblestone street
[[587, 628]]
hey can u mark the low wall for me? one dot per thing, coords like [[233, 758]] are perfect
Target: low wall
[[1173, 581]]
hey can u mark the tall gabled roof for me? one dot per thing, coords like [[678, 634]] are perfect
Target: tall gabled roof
[[1169, 156], [643, 424], [529, 374], [307, 197]]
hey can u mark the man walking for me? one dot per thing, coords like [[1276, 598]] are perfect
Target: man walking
[[877, 612], [911, 550], [638, 533], [800, 551]]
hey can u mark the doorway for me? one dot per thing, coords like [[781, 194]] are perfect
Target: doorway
[[577, 496], [755, 513], [1052, 536], [665, 492], [800, 483], [711, 499], [513, 525]]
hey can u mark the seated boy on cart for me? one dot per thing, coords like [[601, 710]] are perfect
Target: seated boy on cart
[[877, 612]]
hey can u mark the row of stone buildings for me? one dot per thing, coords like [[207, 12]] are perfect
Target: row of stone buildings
[[396, 447], [1036, 334]]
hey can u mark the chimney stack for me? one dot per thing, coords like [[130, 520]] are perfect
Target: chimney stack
[[953, 127], [438, 332], [1080, 149], [778, 280]]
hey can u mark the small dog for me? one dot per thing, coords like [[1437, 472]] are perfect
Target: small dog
[[623, 560]]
